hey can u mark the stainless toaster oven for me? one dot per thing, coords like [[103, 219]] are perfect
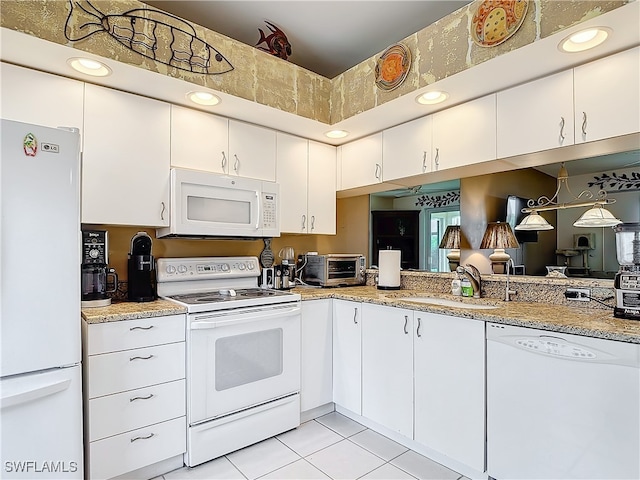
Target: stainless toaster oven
[[333, 270]]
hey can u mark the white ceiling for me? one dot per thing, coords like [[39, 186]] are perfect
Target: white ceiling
[[327, 37]]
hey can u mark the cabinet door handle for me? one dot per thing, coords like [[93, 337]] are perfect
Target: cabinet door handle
[[140, 328], [313, 222], [236, 164], [437, 159], [424, 161], [162, 211], [148, 357], [142, 438], [378, 171], [406, 320], [224, 161], [418, 329], [141, 398], [355, 315], [562, 129], [304, 221], [584, 123]]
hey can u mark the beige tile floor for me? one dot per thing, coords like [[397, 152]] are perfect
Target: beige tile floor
[[329, 447]]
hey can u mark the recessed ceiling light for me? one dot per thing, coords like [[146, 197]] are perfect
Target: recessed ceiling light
[[203, 98], [432, 97], [337, 134], [584, 39], [89, 67]]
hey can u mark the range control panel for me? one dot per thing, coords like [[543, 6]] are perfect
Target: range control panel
[[206, 268]]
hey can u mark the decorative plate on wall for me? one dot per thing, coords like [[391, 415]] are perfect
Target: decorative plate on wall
[[392, 67], [495, 21]]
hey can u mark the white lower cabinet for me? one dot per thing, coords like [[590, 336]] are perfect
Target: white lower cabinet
[[387, 367], [449, 359], [347, 355], [134, 394], [317, 352]]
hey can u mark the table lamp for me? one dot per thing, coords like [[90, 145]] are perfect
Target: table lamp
[[451, 240], [499, 236]]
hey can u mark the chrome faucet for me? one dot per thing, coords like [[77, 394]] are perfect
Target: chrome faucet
[[508, 292], [473, 274]]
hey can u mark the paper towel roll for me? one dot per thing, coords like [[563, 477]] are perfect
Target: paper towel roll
[[389, 269]]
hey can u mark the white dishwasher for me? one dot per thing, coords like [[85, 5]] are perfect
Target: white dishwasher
[[561, 406]]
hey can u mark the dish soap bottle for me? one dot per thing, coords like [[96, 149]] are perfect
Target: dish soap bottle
[[456, 286], [465, 286]]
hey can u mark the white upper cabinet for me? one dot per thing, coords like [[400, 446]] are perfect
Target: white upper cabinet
[[536, 116], [291, 174], [406, 149], [607, 97], [361, 162], [252, 151], [387, 367], [125, 165], [39, 98], [199, 140], [322, 189], [465, 134], [306, 172]]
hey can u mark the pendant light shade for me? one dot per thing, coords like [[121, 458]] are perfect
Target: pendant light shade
[[534, 222], [597, 216]]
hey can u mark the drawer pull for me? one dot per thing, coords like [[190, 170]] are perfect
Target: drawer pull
[[141, 398], [148, 357], [141, 328], [142, 438]]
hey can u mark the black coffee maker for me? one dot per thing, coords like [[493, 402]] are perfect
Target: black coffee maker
[[141, 269], [94, 270]]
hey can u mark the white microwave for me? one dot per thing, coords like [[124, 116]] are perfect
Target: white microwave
[[206, 204]]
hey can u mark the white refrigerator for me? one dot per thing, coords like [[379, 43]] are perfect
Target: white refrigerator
[[40, 371]]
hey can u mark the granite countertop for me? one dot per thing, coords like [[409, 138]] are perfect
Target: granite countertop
[[118, 311], [581, 320]]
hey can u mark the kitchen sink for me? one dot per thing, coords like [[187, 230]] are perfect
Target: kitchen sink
[[448, 303]]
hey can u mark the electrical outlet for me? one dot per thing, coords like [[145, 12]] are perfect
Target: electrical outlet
[[578, 294]]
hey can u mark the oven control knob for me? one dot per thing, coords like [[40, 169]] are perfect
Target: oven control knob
[[171, 269], [225, 267], [250, 265], [182, 269], [241, 266]]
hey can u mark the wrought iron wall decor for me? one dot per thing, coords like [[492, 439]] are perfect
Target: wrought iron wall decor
[[277, 43], [440, 200], [616, 182], [151, 33]]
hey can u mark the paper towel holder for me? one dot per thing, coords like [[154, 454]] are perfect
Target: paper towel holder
[[389, 262]]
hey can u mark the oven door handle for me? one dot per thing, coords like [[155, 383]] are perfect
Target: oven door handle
[[216, 321]]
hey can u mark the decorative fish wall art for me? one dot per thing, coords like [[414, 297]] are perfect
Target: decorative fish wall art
[[277, 43], [151, 33]]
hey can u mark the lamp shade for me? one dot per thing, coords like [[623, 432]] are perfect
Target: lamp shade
[[533, 222], [451, 237], [499, 235], [597, 216]]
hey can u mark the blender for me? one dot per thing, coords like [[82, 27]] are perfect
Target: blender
[[627, 280]]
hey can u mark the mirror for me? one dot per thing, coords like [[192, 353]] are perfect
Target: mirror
[[586, 252]]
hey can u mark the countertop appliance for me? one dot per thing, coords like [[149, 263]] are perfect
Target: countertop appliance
[[141, 269], [40, 371], [95, 271], [205, 205], [627, 280], [333, 269], [561, 406], [243, 353]]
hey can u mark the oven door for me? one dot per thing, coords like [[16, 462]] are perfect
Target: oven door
[[342, 271], [241, 358]]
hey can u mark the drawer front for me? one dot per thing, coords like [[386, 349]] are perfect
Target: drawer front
[[128, 334], [129, 451], [127, 411], [121, 371]]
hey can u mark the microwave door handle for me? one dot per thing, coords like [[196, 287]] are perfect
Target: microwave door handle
[[259, 211], [208, 322]]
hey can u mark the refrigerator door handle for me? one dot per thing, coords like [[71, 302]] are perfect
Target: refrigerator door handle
[[29, 395]]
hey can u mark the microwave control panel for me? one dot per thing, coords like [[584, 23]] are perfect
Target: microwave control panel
[[269, 211]]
